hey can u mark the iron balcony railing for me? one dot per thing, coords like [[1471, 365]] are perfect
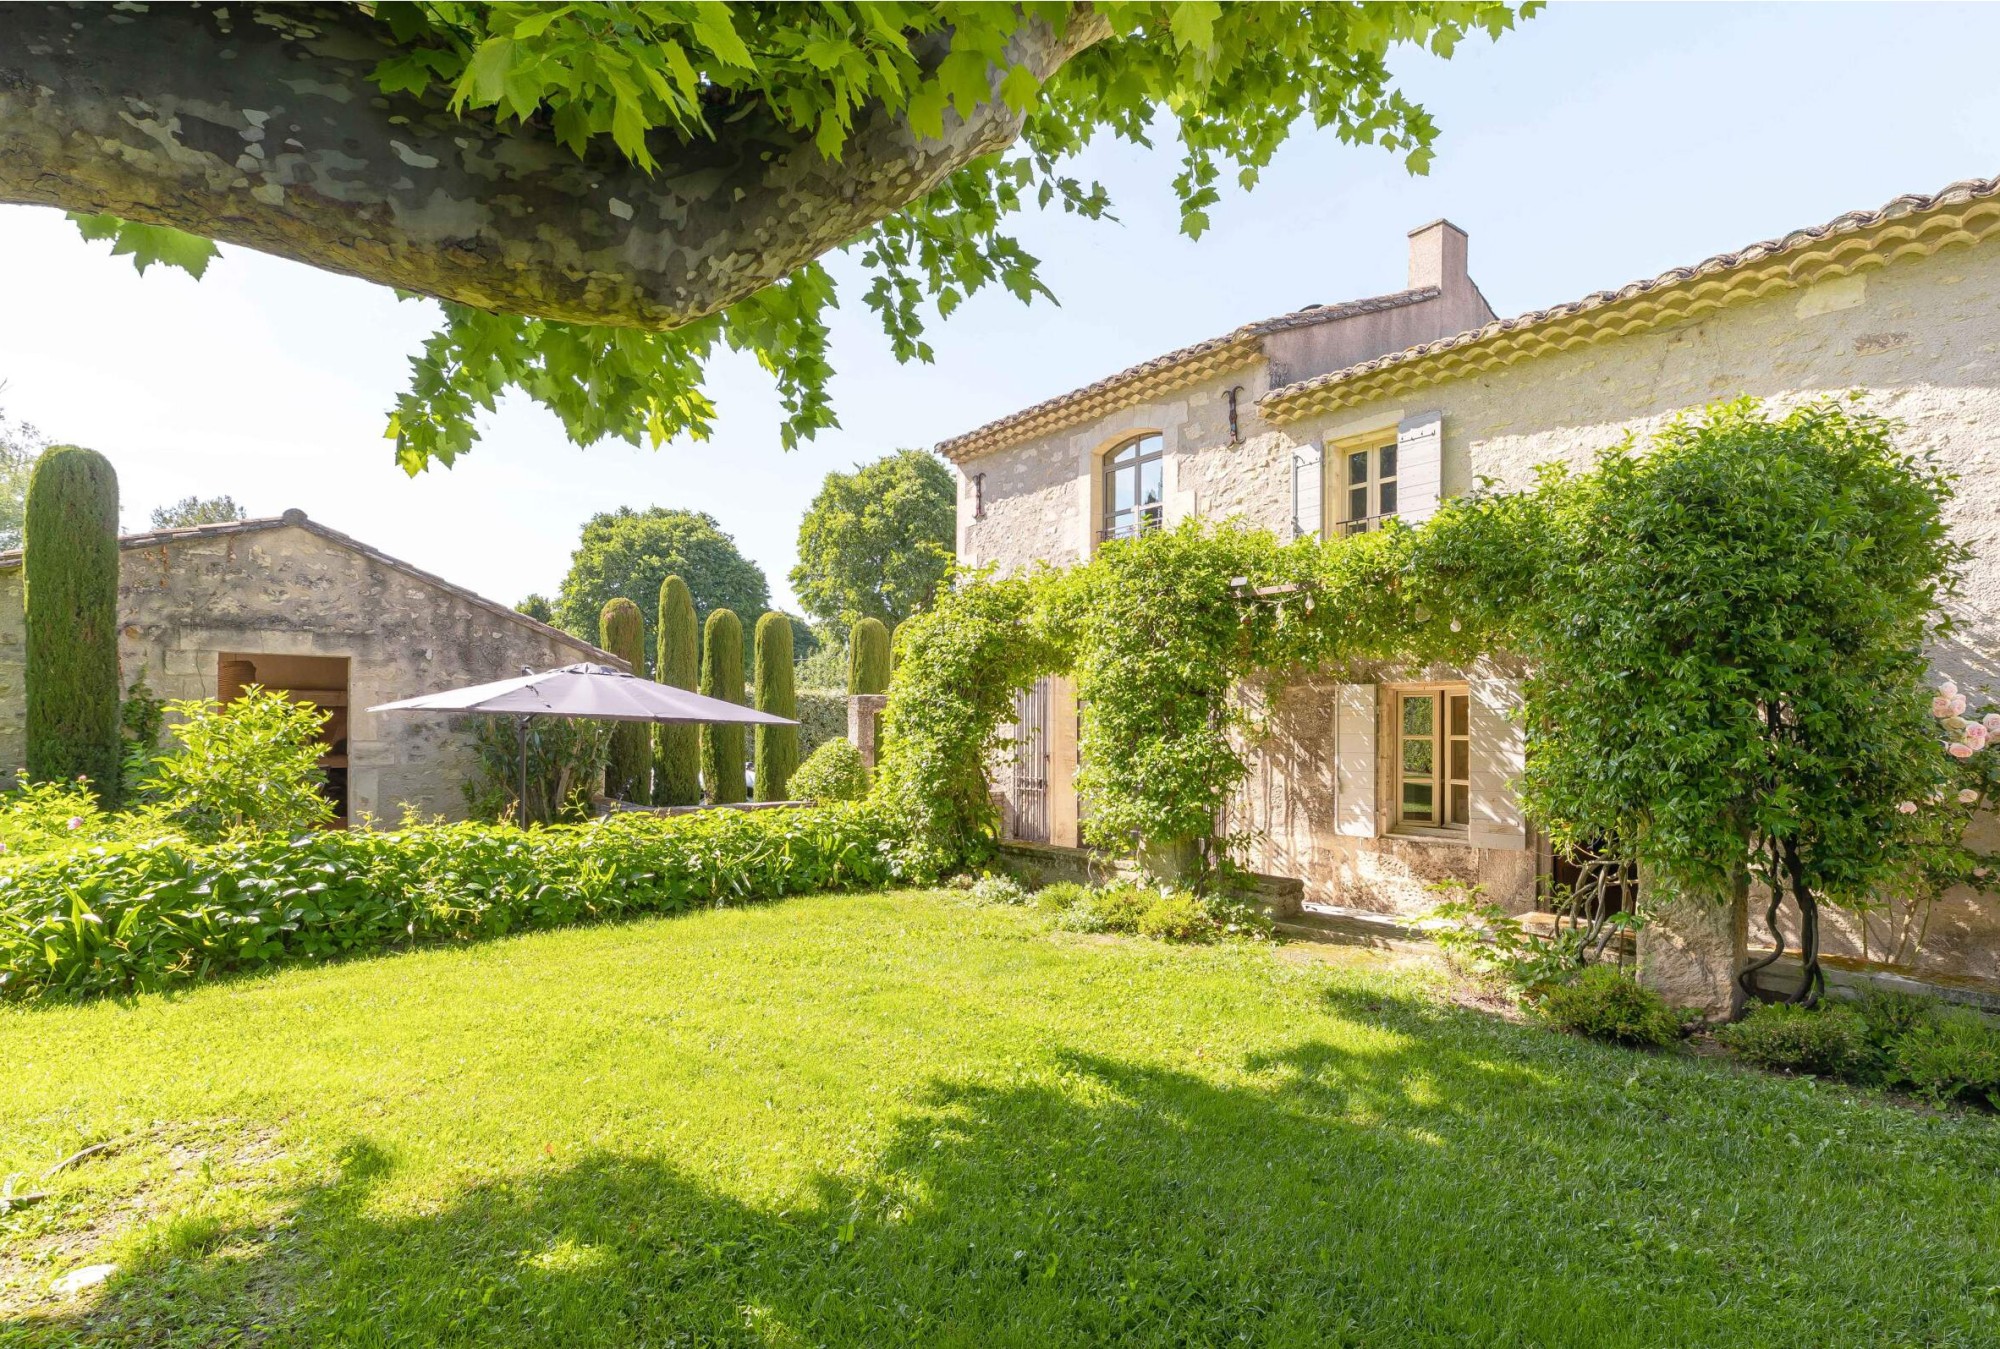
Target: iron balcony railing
[[1363, 524], [1149, 519]]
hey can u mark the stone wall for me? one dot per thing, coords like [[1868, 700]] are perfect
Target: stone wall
[[291, 591]]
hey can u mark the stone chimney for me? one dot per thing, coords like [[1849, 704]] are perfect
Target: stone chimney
[[1437, 257]]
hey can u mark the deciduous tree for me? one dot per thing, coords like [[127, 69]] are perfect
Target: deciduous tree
[[628, 554], [604, 195], [876, 542]]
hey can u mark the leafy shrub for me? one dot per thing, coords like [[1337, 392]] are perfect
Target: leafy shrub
[[1828, 1041], [45, 817], [565, 764], [70, 575], [1061, 896], [251, 765], [991, 888], [1176, 916], [152, 914], [1605, 1004], [1953, 1056], [833, 772]]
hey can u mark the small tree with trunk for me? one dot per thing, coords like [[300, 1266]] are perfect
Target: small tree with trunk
[[71, 578], [677, 661], [777, 752], [1727, 634], [628, 771], [722, 677]]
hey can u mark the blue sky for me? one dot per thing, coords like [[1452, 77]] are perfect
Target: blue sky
[[1595, 145]]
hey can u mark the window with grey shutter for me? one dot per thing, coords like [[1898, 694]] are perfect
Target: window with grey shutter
[[1307, 491]]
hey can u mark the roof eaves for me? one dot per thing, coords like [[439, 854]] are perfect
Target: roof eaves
[[1162, 374], [1964, 213], [160, 538]]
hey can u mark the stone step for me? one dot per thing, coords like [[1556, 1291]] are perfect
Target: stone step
[[1353, 927]]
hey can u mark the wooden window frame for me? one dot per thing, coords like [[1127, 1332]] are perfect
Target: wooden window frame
[[1450, 776], [1145, 518], [1373, 455]]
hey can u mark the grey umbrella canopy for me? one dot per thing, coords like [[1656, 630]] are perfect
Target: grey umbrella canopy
[[596, 692], [593, 692]]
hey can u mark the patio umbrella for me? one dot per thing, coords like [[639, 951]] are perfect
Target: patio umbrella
[[593, 692]]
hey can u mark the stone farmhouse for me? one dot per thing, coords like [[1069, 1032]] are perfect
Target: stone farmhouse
[[1334, 418], [289, 604]]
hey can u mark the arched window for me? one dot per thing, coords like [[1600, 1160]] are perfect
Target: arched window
[[1134, 491]]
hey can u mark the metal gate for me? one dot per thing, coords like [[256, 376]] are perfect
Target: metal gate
[[1028, 796]]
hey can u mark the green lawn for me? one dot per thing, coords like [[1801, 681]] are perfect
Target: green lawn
[[896, 1119]]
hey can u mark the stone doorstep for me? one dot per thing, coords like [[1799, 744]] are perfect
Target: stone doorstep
[[1353, 927], [1543, 924]]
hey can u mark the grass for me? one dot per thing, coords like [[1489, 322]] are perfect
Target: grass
[[894, 1119]]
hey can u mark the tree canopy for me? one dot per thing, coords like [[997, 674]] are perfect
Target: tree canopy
[[627, 554], [875, 543], [20, 445], [198, 511], [603, 195]]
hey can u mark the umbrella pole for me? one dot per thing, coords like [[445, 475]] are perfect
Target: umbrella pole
[[521, 733]]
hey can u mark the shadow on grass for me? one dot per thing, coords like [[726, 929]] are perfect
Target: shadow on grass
[[1416, 1183]]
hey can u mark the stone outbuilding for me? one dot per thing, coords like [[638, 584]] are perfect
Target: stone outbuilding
[[287, 603], [1334, 418]]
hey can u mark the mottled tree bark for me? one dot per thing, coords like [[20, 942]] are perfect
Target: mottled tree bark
[[258, 125]]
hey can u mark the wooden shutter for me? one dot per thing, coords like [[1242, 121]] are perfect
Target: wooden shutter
[[1419, 466], [1354, 731], [1498, 756], [1308, 495]]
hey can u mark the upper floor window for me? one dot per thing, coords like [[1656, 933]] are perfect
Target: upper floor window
[[1434, 757], [1369, 482], [1134, 488]]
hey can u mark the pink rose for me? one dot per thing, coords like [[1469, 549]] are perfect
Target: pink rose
[[1959, 750], [1949, 689], [1968, 796], [1991, 721], [1957, 704], [1906, 807], [1940, 707], [1975, 735]]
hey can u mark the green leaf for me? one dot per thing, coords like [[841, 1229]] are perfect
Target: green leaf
[[714, 29], [148, 244], [485, 77]]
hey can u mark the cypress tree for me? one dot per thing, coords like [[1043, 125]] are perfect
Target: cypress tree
[[70, 575], [868, 658], [621, 630], [722, 677], [677, 661], [777, 755]]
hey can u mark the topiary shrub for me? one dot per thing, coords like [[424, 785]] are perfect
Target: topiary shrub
[[1605, 1004], [628, 770], [722, 677], [868, 657], [1953, 1057], [776, 755], [677, 661], [833, 772], [70, 574], [1824, 1041]]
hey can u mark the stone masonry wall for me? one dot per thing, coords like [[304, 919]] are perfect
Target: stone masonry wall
[[291, 591]]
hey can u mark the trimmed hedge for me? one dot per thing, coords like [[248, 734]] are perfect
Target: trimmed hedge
[[722, 677], [628, 770], [70, 578], [822, 717], [677, 661], [152, 914], [868, 657], [776, 754], [833, 772]]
